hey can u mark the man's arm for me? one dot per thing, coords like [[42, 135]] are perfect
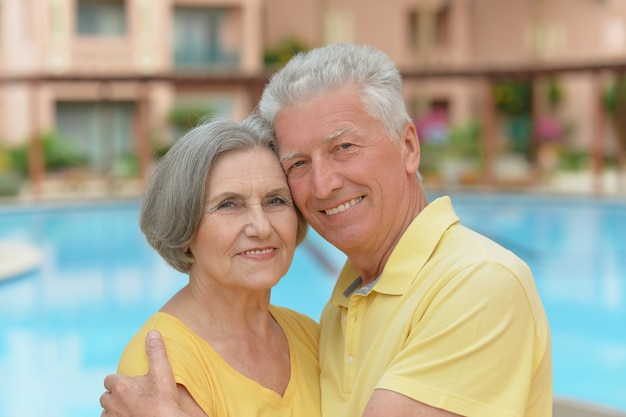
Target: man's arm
[[153, 395], [391, 404]]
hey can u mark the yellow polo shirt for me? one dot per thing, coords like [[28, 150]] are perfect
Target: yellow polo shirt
[[454, 321]]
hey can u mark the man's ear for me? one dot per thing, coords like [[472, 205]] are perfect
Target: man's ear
[[411, 148]]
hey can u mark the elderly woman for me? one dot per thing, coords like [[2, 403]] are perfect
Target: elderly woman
[[218, 208]]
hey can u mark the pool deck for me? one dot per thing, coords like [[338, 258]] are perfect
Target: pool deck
[[611, 185], [17, 258], [571, 408]]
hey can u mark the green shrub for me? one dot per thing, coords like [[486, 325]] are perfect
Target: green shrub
[[574, 159], [187, 116], [161, 151], [126, 165], [614, 100], [465, 140], [278, 55], [462, 143], [58, 154], [10, 183], [513, 98]]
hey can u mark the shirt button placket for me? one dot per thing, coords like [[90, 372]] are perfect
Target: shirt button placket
[[352, 331]]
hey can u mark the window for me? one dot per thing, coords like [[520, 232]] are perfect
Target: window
[[191, 109], [200, 36], [102, 131], [101, 18], [440, 26]]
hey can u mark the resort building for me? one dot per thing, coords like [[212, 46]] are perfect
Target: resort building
[[110, 76]]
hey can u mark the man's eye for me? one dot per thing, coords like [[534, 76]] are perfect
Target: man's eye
[[345, 145], [294, 167]]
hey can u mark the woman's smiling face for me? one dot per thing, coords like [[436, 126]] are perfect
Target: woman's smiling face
[[247, 235]]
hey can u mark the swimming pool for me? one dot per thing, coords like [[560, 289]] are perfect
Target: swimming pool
[[65, 323]]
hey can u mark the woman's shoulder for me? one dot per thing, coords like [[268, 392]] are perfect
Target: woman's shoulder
[[168, 325], [292, 320], [178, 338]]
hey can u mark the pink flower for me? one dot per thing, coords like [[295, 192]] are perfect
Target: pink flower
[[549, 129], [433, 127]]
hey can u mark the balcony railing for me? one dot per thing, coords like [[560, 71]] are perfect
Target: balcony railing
[[102, 55]]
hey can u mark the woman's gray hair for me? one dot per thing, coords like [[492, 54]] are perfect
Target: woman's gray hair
[[311, 74], [174, 200]]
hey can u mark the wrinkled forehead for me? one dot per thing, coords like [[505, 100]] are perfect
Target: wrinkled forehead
[[245, 166], [324, 116]]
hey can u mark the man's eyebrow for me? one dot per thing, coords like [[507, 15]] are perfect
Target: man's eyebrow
[[338, 133], [328, 138], [289, 155]]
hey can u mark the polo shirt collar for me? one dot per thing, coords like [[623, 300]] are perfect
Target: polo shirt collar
[[417, 243]]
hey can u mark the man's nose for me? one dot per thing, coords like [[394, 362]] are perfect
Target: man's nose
[[325, 178]]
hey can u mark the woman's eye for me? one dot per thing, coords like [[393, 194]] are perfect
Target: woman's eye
[[276, 201], [225, 205]]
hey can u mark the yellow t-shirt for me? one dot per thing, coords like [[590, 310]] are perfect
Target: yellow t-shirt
[[454, 321], [219, 389]]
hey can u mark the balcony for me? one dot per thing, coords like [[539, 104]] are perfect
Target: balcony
[[102, 55]]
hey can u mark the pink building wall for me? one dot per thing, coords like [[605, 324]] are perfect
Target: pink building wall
[[37, 37]]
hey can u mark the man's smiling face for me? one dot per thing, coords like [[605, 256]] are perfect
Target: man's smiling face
[[345, 174]]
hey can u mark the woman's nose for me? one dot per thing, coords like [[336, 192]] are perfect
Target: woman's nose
[[258, 222]]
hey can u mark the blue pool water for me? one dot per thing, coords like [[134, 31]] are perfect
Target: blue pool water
[[63, 325]]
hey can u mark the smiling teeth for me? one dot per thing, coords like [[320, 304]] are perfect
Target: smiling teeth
[[343, 207], [258, 252]]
